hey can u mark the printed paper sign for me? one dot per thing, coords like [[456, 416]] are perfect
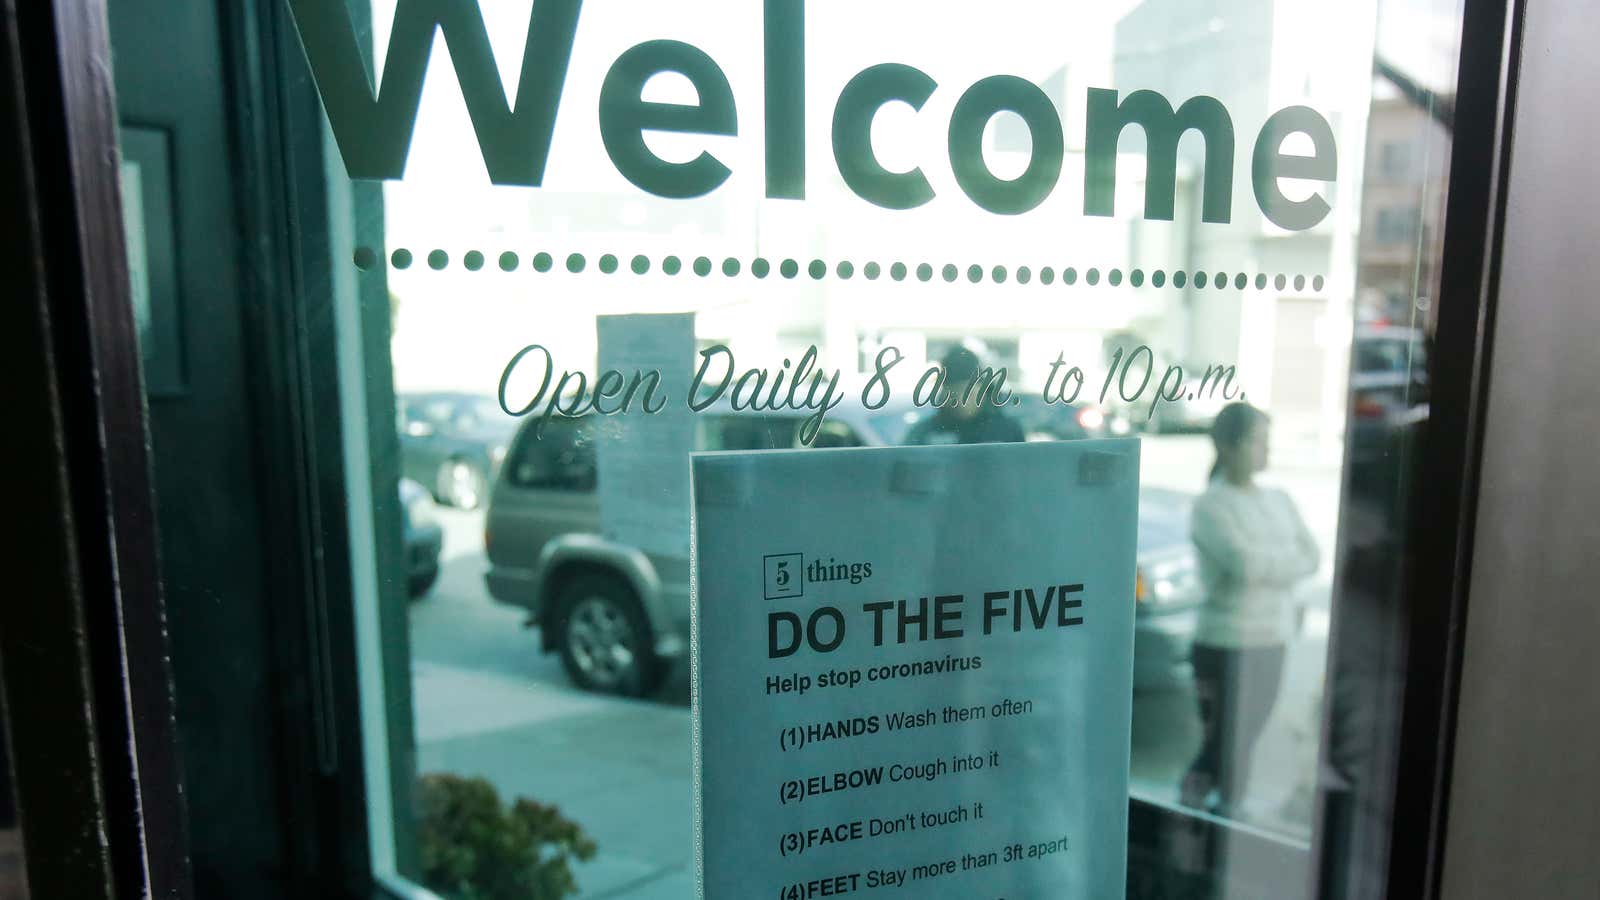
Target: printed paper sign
[[913, 670], [644, 491]]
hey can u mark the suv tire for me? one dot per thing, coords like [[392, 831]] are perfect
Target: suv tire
[[418, 585], [605, 640]]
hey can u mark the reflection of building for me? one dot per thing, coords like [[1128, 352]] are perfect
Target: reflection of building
[[1408, 155], [1257, 57]]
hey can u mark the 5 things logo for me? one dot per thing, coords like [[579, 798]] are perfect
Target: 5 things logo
[[785, 575]]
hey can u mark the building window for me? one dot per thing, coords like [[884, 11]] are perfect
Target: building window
[[1397, 225], [1394, 160]]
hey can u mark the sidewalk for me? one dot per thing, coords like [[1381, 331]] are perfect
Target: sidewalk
[[619, 768], [622, 769]]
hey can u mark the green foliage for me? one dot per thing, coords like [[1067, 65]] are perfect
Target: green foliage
[[473, 848]]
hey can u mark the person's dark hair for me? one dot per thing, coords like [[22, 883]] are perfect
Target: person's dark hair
[[960, 365], [1231, 427]]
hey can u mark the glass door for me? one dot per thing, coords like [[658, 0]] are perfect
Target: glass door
[[527, 258]]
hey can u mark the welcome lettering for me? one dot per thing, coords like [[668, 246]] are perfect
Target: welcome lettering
[[373, 128]]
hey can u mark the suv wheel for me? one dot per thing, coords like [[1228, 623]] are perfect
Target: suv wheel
[[460, 484], [606, 643], [420, 584]]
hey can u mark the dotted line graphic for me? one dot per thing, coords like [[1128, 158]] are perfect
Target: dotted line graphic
[[609, 264]]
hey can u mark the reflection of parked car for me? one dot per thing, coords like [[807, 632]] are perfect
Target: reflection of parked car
[[1167, 589], [453, 444], [1205, 390], [422, 535], [617, 613], [1043, 421], [1388, 387], [1189, 413], [1138, 371]]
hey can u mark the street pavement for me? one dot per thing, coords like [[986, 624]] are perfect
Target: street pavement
[[489, 704]]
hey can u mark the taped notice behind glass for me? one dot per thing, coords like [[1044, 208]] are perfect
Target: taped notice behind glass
[[643, 486], [913, 670]]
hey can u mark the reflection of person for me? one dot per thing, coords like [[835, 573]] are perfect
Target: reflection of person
[[977, 421], [1253, 549]]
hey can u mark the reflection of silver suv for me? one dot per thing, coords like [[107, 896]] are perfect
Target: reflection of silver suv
[[618, 614], [615, 612]]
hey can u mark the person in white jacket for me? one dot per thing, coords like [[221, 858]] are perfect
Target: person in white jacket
[[1253, 549]]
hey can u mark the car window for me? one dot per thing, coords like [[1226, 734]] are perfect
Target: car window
[[751, 433], [1163, 520], [414, 419], [439, 412], [891, 428], [562, 458], [833, 435], [475, 413], [1375, 355]]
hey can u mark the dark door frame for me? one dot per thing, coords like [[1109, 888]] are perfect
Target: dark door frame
[[1443, 484], [87, 688], [95, 755], [89, 624]]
